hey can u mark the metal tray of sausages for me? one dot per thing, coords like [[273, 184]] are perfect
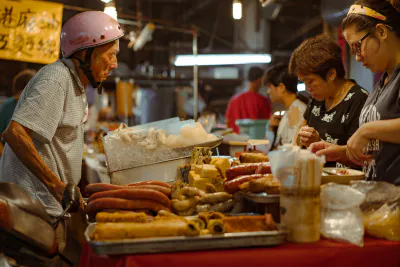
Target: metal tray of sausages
[[181, 243]]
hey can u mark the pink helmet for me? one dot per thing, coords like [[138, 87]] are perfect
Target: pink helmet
[[88, 29]]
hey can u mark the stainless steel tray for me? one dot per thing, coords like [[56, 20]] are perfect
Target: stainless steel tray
[[262, 198], [180, 243]]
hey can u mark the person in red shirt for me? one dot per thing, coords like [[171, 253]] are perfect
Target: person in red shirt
[[250, 104]]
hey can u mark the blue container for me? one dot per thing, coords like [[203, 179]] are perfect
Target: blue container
[[255, 129]]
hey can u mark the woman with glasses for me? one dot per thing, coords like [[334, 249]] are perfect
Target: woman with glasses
[[372, 29], [333, 113]]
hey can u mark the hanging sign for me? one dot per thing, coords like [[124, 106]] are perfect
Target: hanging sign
[[30, 30]]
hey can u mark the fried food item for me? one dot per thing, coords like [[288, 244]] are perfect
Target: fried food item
[[253, 157], [203, 208], [200, 223], [206, 216], [235, 224], [157, 228], [165, 213], [210, 188], [182, 205], [215, 198], [266, 184], [192, 192], [138, 217], [226, 206], [245, 186], [216, 227]]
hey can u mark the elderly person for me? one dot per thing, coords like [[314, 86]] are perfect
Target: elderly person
[[334, 111], [372, 29], [44, 141]]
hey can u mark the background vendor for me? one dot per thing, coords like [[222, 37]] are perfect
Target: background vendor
[[250, 104]]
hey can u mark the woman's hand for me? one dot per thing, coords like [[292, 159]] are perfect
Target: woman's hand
[[330, 151], [274, 121], [308, 135], [355, 147]]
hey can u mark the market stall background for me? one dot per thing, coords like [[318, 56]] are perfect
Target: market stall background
[[161, 90]]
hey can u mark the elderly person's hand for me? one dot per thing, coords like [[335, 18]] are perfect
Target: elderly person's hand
[[307, 136]]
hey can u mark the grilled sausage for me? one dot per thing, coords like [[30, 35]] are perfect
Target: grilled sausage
[[133, 194], [182, 205], [232, 186], [166, 191], [192, 192], [215, 198], [151, 182]]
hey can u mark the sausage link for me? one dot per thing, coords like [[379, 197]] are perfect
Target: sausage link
[[151, 182], [232, 186], [133, 194], [166, 191]]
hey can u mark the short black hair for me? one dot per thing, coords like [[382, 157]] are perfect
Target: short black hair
[[21, 80], [280, 74], [255, 73]]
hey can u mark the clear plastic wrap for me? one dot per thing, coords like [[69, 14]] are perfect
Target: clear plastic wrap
[[137, 146], [381, 209], [341, 216], [299, 173]]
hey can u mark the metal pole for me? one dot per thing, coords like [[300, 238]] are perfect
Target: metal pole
[[195, 78]]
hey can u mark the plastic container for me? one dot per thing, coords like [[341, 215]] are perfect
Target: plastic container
[[255, 129], [301, 213]]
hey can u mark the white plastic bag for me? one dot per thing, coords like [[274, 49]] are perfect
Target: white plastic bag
[[341, 216]]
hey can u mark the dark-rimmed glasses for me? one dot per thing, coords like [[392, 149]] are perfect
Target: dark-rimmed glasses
[[356, 47]]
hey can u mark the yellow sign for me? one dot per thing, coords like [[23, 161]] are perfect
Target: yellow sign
[[30, 30]]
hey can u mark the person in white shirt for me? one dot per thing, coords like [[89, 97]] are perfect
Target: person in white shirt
[[282, 88]]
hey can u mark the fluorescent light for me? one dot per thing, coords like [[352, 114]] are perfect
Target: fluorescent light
[[301, 87], [111, 10], [237, 9], [221, 59], [106, 1]]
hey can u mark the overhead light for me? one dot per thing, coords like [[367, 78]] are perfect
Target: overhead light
[[110, 10], [221, 59], [237, 9], [106, 1], [144, 36]]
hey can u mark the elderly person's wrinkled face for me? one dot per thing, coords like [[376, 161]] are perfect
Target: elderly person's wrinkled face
[[104, 60]]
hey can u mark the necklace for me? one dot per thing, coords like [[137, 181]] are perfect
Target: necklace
[[334, 104]]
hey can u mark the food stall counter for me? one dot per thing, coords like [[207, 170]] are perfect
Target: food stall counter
[[323, 253]]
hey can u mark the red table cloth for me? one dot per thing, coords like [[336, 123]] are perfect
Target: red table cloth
[[324, 253]]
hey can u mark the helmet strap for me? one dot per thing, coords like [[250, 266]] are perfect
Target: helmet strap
[[85, 67]]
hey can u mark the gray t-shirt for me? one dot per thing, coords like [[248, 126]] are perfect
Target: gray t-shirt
[[383, 104], [52, 105]]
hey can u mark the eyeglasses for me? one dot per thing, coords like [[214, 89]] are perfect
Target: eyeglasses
[[356, 47]]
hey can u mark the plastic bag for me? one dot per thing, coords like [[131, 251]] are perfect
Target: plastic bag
[[341, 216], [381, 209], [384, 223]]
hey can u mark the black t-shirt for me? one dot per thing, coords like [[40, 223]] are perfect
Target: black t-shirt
[[383, 104], [337, 125]]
